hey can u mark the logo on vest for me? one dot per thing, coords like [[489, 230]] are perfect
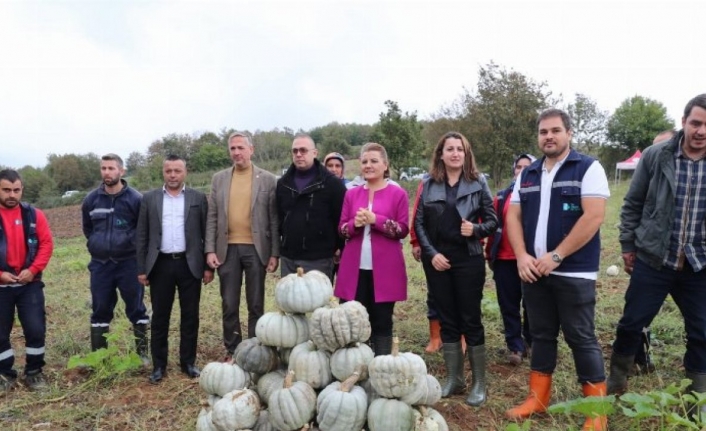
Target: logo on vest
[[571, 207]]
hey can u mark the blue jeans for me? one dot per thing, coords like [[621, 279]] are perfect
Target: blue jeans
[[556, 302], [646, 293], [29, 301], [105, 279]]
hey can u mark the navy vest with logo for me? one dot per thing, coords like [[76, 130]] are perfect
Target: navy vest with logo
[[564, 211]]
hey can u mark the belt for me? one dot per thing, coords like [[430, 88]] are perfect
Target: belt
[[180, 255]]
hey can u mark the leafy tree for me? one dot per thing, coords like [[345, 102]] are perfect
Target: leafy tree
[[210, 157], [73, 171], [500, 117], [180, 145], [636, 122], [134, 162], [588, 123], [36, 184], [273, 148], [401, 135]]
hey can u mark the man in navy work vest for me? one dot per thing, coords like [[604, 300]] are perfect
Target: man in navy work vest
[[25, 249], [556, 210]]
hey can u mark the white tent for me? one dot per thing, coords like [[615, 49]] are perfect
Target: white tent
[[628, 164]]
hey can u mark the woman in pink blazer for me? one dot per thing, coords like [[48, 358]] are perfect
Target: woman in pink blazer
[[374, 219]]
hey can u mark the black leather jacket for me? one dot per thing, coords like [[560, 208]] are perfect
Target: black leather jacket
[[473, 202]]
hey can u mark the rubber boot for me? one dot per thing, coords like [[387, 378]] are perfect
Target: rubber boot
[[619, 370], [698, 385], [98, 340], [478, 392], [540, 387], [382, 345], [453, 358], [434, 336], [140, 332], [595, 423]]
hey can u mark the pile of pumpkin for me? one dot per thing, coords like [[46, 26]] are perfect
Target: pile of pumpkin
[[292, 358]]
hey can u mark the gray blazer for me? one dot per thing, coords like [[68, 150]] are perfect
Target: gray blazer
[[263, 214], [149, 230]]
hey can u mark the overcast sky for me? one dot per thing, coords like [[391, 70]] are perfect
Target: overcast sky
[[112, 76]]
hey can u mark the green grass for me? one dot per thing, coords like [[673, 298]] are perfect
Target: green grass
[[128, 402]]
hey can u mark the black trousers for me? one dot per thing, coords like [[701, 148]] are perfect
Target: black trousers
[[166, 277], [380, 312], [457, 293]]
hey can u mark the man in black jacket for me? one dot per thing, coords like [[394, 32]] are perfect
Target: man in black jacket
[[309, 202]]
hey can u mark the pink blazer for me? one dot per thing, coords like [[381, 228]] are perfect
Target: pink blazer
[[391, 208]]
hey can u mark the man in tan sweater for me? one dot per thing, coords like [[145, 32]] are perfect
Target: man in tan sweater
[[242, 236]]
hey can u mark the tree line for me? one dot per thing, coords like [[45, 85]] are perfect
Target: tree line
[[498, 116]]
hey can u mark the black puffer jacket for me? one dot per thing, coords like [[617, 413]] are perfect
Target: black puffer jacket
[[308, 221]]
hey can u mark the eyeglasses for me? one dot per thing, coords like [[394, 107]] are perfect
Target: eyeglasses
[[301, 151]]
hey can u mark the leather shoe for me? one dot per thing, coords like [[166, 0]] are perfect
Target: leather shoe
[[190, 370], [157, 375]]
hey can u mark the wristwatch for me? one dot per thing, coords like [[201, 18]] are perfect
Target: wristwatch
[[556, 257]]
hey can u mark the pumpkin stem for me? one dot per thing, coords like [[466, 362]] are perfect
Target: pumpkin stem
[[395, 346], [333, 302], [300, 271], [423, 410], [348, 384], [289, 379]]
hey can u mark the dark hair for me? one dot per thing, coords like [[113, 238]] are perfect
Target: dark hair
[[114, 158], [699, 101], [437, 170], [554, 112], [11, 175], [174, 158]]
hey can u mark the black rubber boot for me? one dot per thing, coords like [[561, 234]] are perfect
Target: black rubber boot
[[98, 340], [698, 385], [478, 393], [140, 331], [453, 358], [382, 345], [619, 370]]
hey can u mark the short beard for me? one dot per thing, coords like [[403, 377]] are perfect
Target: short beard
[[111, 182]]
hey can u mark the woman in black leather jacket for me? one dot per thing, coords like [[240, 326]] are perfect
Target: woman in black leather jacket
[[455, 213]]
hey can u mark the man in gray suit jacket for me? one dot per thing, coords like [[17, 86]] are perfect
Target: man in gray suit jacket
[[170, 255], [242, 236]]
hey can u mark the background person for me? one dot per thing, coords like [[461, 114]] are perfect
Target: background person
[[25, 249], [309, 201], [170, 257], [455, 212], [553, 223], [109, 215], [508, 285], [663, 241], [242, 236], [375, 217]]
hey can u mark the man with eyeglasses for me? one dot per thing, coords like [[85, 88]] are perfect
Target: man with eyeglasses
[[241, 236], [309, 202]]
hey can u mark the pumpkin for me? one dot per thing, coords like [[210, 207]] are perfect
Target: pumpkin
[[219, 378], [311, 365], [427, 392], [428, 419], [303, 293], [269, 382], [369, 391], [346, 360], [336, 326], [254, 357], [390, 415], [204, 423], [397, 374], [293, 405], [263, 422], [236, 410], [282, 330], [342, 406]]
